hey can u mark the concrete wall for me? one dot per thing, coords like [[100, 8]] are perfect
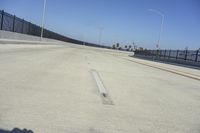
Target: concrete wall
[[19, 36]]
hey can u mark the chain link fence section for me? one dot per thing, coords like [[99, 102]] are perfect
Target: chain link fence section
[[181, 56], [1, 19], [7, 22]]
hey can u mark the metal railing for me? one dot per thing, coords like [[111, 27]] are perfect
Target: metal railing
[[185, 55], [12, 23]]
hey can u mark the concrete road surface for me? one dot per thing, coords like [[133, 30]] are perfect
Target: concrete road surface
[[52, 89]]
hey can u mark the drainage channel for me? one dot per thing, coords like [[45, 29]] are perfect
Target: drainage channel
[[106, 99]]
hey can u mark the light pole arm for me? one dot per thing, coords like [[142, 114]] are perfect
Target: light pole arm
[[158, 12]]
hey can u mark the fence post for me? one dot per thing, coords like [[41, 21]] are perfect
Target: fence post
[[197, 54], [177, 54], [169, 53], [164, 53], [13, 24], [2, 14], [29, 25], [22, 25], [157, 54], [186, 51]]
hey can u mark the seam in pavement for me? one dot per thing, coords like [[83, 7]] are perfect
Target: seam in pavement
[[106, 99], [99, 83]]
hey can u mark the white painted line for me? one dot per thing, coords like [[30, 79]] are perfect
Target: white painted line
[[99, 83]]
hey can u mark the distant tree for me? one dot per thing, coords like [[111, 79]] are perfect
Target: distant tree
[[125, 46], [141, 48], [135, 47], [113, 46], [117, 45], [129, 46], [133, 44]]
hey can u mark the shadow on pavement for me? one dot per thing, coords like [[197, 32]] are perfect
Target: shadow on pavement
[[16, 130]]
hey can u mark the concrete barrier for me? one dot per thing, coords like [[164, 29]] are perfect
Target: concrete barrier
[[7, 35]]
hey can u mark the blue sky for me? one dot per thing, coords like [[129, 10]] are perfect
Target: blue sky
[[123, 21]]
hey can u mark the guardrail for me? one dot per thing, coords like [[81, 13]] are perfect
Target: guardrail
[[12, 23]]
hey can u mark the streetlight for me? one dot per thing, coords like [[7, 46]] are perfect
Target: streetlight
[[100, 34], [42, 25], [84, 40], [161, 26]]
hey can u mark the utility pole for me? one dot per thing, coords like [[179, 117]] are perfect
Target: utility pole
[[43, 15], [161, 25], [100, 34]]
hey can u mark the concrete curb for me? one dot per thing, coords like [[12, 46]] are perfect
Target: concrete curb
[[185, 74]]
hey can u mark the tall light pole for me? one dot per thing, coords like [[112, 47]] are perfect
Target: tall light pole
[[100, 34], [43, 14], [161, 26], [84, 40]]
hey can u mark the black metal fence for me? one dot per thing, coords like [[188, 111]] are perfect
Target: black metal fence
[[184, 55], [12, 23]]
